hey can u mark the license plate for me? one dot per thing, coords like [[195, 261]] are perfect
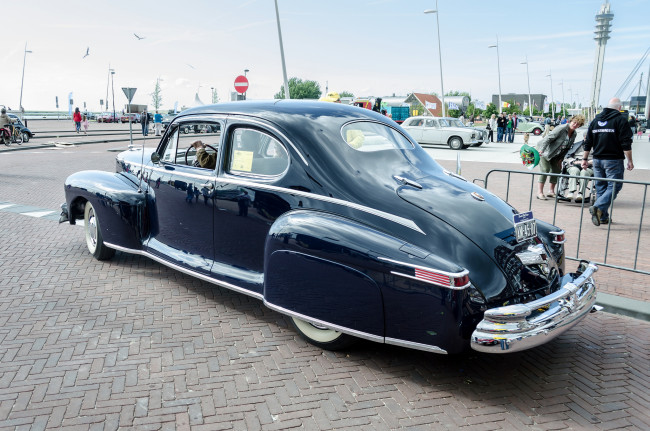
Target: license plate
[[525, 226]]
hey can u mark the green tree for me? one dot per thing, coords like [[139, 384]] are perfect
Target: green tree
[[490, 109], [344, 94], [215, 96], [156, 96], [299, 89]]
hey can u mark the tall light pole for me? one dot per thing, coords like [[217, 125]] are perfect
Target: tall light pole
[[20, 104], [442, 86], [603, 24], [284, 68], [245, 72], [552, 99], [113, 90], [108, 82], [530, 106], [499, 71]]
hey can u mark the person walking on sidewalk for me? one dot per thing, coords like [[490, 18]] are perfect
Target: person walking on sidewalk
[[84, 124], [76, 117], [144, 119], [547, 126], [609, 137]]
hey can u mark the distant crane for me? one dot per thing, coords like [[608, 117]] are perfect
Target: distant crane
[[87, 53], [138, 37]]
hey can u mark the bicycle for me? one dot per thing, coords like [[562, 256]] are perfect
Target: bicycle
[[11, 134]]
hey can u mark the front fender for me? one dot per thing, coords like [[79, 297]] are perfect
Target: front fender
[[119, 205]]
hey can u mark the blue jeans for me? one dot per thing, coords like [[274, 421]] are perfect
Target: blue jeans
[[613, 169], [499, 134], [145, 129], [510, 134]]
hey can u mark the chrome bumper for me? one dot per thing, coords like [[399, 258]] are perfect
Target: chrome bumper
[[522, 326]]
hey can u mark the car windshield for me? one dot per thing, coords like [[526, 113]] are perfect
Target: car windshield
[[367, 136]]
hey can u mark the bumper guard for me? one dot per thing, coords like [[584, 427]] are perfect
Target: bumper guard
[[522, 326]]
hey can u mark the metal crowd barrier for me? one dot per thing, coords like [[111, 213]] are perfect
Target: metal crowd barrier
[[589, 183]]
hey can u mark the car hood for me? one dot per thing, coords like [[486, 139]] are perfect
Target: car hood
[[487, 222]]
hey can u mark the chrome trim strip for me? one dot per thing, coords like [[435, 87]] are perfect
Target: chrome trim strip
[[431, 282], [186, 271], [282, 310], [462, 273], [523, 326], [397, 219], [417, 346], [353, 332], [206, 177], [394, 218]]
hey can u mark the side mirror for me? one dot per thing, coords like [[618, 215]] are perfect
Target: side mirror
[[155, 157]]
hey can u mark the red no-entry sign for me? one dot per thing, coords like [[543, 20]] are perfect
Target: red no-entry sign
[[241, 84]]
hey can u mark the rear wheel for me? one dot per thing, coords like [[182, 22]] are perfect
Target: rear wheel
[[25, 137], [456, 143], [321, 336], [94, 239]]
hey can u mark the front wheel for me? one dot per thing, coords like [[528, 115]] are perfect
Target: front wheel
[[94, 239], [537, 132], [456, 143], [25, 137], [320, 336]]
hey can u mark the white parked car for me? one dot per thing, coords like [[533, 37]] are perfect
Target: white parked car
[[443, 131]]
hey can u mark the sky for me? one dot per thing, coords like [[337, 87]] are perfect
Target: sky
[[373, 48]]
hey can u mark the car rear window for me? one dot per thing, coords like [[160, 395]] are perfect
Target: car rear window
[[369, 136]]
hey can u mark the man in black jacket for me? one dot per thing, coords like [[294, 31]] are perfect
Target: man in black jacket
[[610, 138], [144, 119]]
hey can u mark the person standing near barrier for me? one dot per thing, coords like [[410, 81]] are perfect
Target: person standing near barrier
[[609, 137], [552, 150], [144, 119], [491, 126], [157, 123], [501, 126]]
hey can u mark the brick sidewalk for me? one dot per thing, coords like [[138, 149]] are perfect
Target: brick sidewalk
[[131, 344]]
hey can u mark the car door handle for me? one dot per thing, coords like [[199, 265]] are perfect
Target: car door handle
[[209, 185]]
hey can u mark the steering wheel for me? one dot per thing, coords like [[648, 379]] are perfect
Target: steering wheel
[[196, 161]]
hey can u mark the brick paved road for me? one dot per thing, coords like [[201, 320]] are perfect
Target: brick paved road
[[131, 344]]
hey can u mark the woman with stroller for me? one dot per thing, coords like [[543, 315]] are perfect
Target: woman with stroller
[[552, 149]]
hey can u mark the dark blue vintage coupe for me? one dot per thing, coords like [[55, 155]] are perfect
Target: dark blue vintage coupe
[[336, 217]]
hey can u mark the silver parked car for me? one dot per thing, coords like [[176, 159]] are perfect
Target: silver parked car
[[443, 131]]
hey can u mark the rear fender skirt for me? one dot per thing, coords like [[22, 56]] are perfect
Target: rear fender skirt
[[120, 207]]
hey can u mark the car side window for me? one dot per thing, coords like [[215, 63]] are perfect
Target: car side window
[[252, 152], [169, 150], [416, 122], [209, 133], [429, 123]]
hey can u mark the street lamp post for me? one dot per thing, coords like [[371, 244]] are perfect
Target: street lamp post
[[113, 90], [284, 68], [499, 72], [20, 104], [442, 86], [552, 99], [530, 106], [245, 72]]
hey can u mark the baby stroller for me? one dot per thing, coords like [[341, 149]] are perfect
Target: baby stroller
[[589, 193]]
